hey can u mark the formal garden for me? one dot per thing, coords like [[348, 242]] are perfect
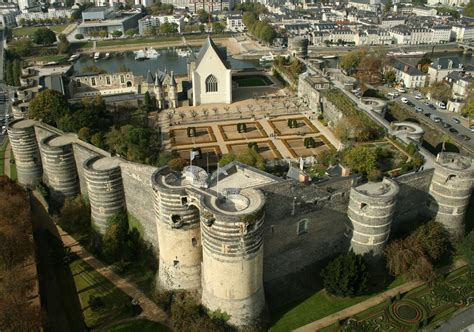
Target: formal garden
[[419, 308], [252, 80]]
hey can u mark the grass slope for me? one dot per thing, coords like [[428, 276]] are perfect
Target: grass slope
[[138, 325], [29, 31]]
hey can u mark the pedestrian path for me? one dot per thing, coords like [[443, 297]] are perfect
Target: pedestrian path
[[6, 160], [150, 310]]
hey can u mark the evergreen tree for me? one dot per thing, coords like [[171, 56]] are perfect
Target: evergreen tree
[[347, 275]]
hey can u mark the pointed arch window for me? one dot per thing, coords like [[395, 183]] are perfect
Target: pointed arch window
[[211, 84]]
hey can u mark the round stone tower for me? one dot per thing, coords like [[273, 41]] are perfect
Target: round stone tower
[[450, 190], [25, 148], [60, 166], [232, 267], [177, 220], [370, 212], [105, 189]]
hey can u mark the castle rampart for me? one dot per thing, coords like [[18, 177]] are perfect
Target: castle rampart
[[232, 268], [105, 189], [450, 190], [179, 235], [60, 166], [370, 211], [25, 148], [223, 249]]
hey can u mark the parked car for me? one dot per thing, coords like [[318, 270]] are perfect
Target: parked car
[[456, 120], [401, 90], [434, 118], [419, 109], [432, 107], [442, 105], [471, 128], [404, 100], [418, 96], [464, 137], [453, 130], [427, 115], [446, 125]]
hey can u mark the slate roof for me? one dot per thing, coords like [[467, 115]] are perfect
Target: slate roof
[[444, 62], [210, 44], [406, 68]]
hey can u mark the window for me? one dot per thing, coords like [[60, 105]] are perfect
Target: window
[[108, 80], [194, 242], [302, 227], [93, 81], [78, 83], [184, 201], [211, 84], [122, 79], [363, 206]]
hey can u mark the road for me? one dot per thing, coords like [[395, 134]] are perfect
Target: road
[[461, 322], [4, 93], [445, 116]]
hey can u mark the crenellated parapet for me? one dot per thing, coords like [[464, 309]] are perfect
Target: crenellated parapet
[[179, 235], [450, 191], [370, 214], [21, 134], [232, 267], [60, 166], [104, 188]]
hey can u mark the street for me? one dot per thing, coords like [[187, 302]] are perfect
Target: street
[[445, 116]]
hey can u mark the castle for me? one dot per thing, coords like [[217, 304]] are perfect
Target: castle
[[227, 234]]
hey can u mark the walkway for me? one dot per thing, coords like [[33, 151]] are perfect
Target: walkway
[[150, 310], [371, 302], [6, 160]]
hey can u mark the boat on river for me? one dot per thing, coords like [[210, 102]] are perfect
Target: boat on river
[[74, 57], [96, 55]]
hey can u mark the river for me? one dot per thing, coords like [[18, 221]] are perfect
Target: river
[[168, 60]]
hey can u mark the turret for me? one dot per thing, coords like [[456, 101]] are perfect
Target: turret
[[173, 92], [149, 83], [370, 212], [232, 265], [60, 166], [159, 95], [179, 235], [21, 134], [105, 189], [450, 191]]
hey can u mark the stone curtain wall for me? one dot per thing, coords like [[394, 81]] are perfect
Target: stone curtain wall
[[331, 113], [323, 206], [139, 197]]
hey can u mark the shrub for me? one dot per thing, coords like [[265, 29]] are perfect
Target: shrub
[[466, 248], [96, 302], [347, 275], [74, 216]]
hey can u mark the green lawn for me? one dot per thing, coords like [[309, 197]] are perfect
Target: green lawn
[[13, 174], [29, 31], [2, 155], [249, 81], [48, 58], [139, 325], [90, 282], [316, 307]]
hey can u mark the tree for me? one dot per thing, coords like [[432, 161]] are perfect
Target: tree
[[350, 61], [424, 63], [63, 45], [361, 159], [48, 106], [469, 10], [117, 34], [103, 34], [388, 6], [21, 47], [389, 76], [369, 70], [203, 16], [440, 91], [74, 216], [131, 32], [217, 27], [177, 164], [249, 157], [466, 248], [168, 27], [79, 36], [44, 36], [415, 255], [347, 275], [115, 237]]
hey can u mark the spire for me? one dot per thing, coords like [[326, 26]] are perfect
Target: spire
[[149, 77], [172, 80], [157, 80]]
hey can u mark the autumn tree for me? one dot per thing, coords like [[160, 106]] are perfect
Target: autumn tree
[[369, 70], [63, 44], [351, 60], [74, 216], [440, 91]]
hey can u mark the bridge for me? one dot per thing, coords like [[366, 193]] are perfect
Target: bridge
[[467, 47]]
